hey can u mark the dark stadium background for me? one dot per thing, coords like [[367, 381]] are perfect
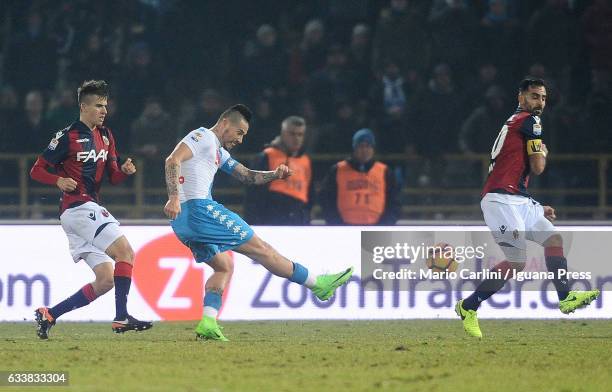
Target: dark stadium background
[[174, 65]]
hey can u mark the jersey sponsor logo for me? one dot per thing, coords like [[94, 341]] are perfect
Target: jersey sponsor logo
[[86, 156], [84, 140], [502, 229], [105, 140], [53, 144], [537, 129]]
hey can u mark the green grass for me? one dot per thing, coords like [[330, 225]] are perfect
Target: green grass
[[321, 355]]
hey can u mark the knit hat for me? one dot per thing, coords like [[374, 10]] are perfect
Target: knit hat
[[364, 135]]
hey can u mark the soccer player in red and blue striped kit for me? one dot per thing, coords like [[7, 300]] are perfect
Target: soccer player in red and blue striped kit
[[513, 216], [80, 155]]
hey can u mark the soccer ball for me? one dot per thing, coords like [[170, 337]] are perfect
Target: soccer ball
[[441, 258]]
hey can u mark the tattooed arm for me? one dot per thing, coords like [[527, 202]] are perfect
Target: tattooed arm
[[173, 168], [256, 177]]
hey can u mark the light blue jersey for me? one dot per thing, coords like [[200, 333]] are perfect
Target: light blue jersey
[[204, 225]]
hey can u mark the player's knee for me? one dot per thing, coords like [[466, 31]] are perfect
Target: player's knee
[[554, 240], [125, 254]]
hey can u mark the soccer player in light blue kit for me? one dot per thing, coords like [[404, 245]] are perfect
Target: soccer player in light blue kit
[[209, 229]]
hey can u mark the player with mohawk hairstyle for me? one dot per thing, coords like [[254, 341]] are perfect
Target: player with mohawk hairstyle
[[209, 229]]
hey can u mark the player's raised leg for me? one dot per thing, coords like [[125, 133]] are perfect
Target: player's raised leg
[[323, 286], [121, 251], [208, 328], [103, 270]]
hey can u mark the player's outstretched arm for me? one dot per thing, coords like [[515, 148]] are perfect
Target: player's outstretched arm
[[173, 168], [256, 177]]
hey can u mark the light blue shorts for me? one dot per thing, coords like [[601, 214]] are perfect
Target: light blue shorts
[[208, 228]]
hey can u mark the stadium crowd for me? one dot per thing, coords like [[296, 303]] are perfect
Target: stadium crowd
[[430, 77]]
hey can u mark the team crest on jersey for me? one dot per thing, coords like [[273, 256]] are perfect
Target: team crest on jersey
[[217, 158], [537, 129], [105, 140], [196, 136], [54, 142], [105, 213]]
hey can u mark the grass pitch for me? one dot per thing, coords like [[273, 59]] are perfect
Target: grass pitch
[[320, 355]]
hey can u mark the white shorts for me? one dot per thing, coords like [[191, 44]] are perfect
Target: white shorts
[[90, 229], [513, 220]]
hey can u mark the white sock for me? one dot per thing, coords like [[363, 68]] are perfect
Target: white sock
[[310, 280], [210, 311]]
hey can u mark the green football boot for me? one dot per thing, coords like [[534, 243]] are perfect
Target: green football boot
[[326, 285], [576, 300], [470, 320], [208, 329]]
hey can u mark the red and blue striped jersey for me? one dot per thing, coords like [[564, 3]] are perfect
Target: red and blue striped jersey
[[84, 155], [509, 168]]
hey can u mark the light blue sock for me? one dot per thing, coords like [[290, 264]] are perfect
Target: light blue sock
[[302, 276], [212, 303]]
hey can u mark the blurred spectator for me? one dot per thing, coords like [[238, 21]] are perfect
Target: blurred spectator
[[402, 34], [391, 99], [481, 127], [553, 23], [94, 61], [336, 134], [265, 63], [32, 58], [62, 110], [360, 56], [599, 115], [152, 133], [140, 79], [314, 47], [454, 27], [488, 76], [597, 31], [283, 202], [265, 126], [152, 136], [360, 190], [308, 111], [9, 117], [438, 115], [32, 132], [207, 113], [334, 82], [500, 35]]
